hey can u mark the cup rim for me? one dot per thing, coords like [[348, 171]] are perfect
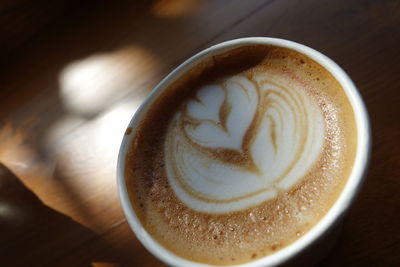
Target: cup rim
[[334, 214]]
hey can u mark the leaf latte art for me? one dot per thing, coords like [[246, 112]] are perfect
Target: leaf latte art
[[240, 141]]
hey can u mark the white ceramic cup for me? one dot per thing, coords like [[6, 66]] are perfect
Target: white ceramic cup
[[333, 217]]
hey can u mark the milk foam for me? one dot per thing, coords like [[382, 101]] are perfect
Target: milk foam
[[240, 141]]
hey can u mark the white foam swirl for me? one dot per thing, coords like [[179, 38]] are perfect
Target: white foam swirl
[[240, 141]]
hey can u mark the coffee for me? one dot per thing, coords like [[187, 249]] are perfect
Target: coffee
[[241, 155]]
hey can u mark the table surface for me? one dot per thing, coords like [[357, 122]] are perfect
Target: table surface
[[68, 93]]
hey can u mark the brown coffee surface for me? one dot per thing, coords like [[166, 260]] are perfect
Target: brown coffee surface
[[249, 234]]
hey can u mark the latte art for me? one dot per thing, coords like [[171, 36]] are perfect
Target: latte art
[[240, 141]]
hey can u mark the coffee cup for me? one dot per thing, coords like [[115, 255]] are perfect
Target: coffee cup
[[264, 195]]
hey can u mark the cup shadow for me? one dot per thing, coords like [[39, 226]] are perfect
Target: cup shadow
[[33, 234]]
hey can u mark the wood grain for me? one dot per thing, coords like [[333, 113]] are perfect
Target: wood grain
[[67, 96]]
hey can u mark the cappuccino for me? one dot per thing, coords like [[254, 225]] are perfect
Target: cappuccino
[[241, 155]]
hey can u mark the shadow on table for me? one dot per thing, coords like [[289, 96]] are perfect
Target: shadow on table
[[33, 234]]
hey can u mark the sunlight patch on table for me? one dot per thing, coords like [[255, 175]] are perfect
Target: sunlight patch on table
[[87, 159], [90, 85]]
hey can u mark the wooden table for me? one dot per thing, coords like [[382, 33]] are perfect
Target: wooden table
[[72, 76]]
